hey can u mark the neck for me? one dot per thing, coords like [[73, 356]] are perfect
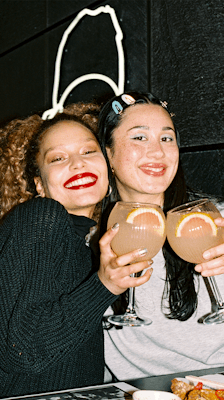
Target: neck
[[84, 212]]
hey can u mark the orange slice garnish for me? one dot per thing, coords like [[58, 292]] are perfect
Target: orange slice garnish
[[147, 217], [196, 224]]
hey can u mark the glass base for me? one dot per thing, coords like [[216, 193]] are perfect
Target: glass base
[[128, 320], [214, 318]]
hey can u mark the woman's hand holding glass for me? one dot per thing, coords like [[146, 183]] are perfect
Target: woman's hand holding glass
[[140, 224], [192, 231], [114, 271], [214, 258]]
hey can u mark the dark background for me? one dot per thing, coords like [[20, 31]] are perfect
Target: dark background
[[173, 48]]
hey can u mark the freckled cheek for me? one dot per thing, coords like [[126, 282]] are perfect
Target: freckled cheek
[[175, 163], [129, 156], [173, 157]]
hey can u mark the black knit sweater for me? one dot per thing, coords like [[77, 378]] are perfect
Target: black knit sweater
[[51, 305]]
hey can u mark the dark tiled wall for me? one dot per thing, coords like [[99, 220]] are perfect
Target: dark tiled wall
[[30, 33], [172, 47], [204, 170], [187, 69]]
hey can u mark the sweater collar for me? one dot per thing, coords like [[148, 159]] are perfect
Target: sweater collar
[[82, 226]]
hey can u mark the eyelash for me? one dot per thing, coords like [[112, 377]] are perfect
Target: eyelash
[[56, 159], [60, 158], [89, 152], [167, 139], [140, 137], [144, 138]]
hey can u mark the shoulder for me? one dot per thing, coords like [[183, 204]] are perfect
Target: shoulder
[[41, 205], [220, 206], [41, 216], [36, 209]]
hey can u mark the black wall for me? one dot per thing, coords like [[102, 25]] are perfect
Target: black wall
[[30, 34], [173, 48], [187, 68]]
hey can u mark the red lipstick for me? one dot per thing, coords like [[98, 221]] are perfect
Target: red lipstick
[[154, 169], [81, 181]]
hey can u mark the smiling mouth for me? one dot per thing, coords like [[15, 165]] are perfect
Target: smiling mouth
[[155, 170], [81, 181]]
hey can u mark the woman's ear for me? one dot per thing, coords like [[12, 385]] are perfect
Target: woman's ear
[[109, 155], [39, 186]]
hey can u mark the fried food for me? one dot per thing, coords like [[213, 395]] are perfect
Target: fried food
[[181, 388], [207, 394], [187, 391]]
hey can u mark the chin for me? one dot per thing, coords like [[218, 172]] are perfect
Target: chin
[[88, 203]]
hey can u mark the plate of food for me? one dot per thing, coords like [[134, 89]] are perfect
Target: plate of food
[[208, 387], [154, 395]]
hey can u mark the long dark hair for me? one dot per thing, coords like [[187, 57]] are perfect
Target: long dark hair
[[179, 299]]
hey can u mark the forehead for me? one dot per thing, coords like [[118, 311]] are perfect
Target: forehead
[[67, 130], [148, 114]]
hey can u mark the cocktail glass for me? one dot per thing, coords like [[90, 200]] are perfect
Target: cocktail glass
[[141, 225], [191, 230]]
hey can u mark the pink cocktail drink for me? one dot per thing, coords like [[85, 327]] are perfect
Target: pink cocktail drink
[[140, 226], [191, 230]]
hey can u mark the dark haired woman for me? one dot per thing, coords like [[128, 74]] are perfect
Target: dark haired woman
[[140, 142], [51, 300]]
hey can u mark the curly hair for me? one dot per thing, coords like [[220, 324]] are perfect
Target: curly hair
[[19, 145]]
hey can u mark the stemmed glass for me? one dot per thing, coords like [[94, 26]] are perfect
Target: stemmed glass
[[141, 225], [191, 230]]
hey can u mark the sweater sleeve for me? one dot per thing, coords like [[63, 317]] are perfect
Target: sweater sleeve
[[50, 302]]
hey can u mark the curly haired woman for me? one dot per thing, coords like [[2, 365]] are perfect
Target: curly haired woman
[[52, 300]]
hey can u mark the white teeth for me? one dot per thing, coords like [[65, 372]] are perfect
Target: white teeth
[[154, 169], [80, 182]]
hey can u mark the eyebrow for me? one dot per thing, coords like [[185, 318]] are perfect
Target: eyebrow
[[165, 128], [62, 145]]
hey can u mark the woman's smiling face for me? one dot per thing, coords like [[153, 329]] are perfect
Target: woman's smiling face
[[145, 154], [72, 168]]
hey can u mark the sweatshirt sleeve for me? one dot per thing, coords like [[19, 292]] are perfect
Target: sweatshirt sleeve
[[51, 303]]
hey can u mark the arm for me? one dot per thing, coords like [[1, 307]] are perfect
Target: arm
[[53, 303]]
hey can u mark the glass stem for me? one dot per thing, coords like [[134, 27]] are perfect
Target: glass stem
[[215, 291], [131, 300]]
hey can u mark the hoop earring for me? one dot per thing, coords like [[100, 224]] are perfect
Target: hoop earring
[[109, 191]]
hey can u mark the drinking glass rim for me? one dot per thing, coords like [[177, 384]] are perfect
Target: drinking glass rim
[[138, 203], [188, 206]]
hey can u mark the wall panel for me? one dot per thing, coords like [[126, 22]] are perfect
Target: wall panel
[[204, 170], [187, 64], [27, 70], [172, 47]]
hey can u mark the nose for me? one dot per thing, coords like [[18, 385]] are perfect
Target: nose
[[155, 149], [77, 161]]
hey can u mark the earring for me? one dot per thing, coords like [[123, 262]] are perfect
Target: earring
[[112, 170], [38, 195], [109, 191]]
